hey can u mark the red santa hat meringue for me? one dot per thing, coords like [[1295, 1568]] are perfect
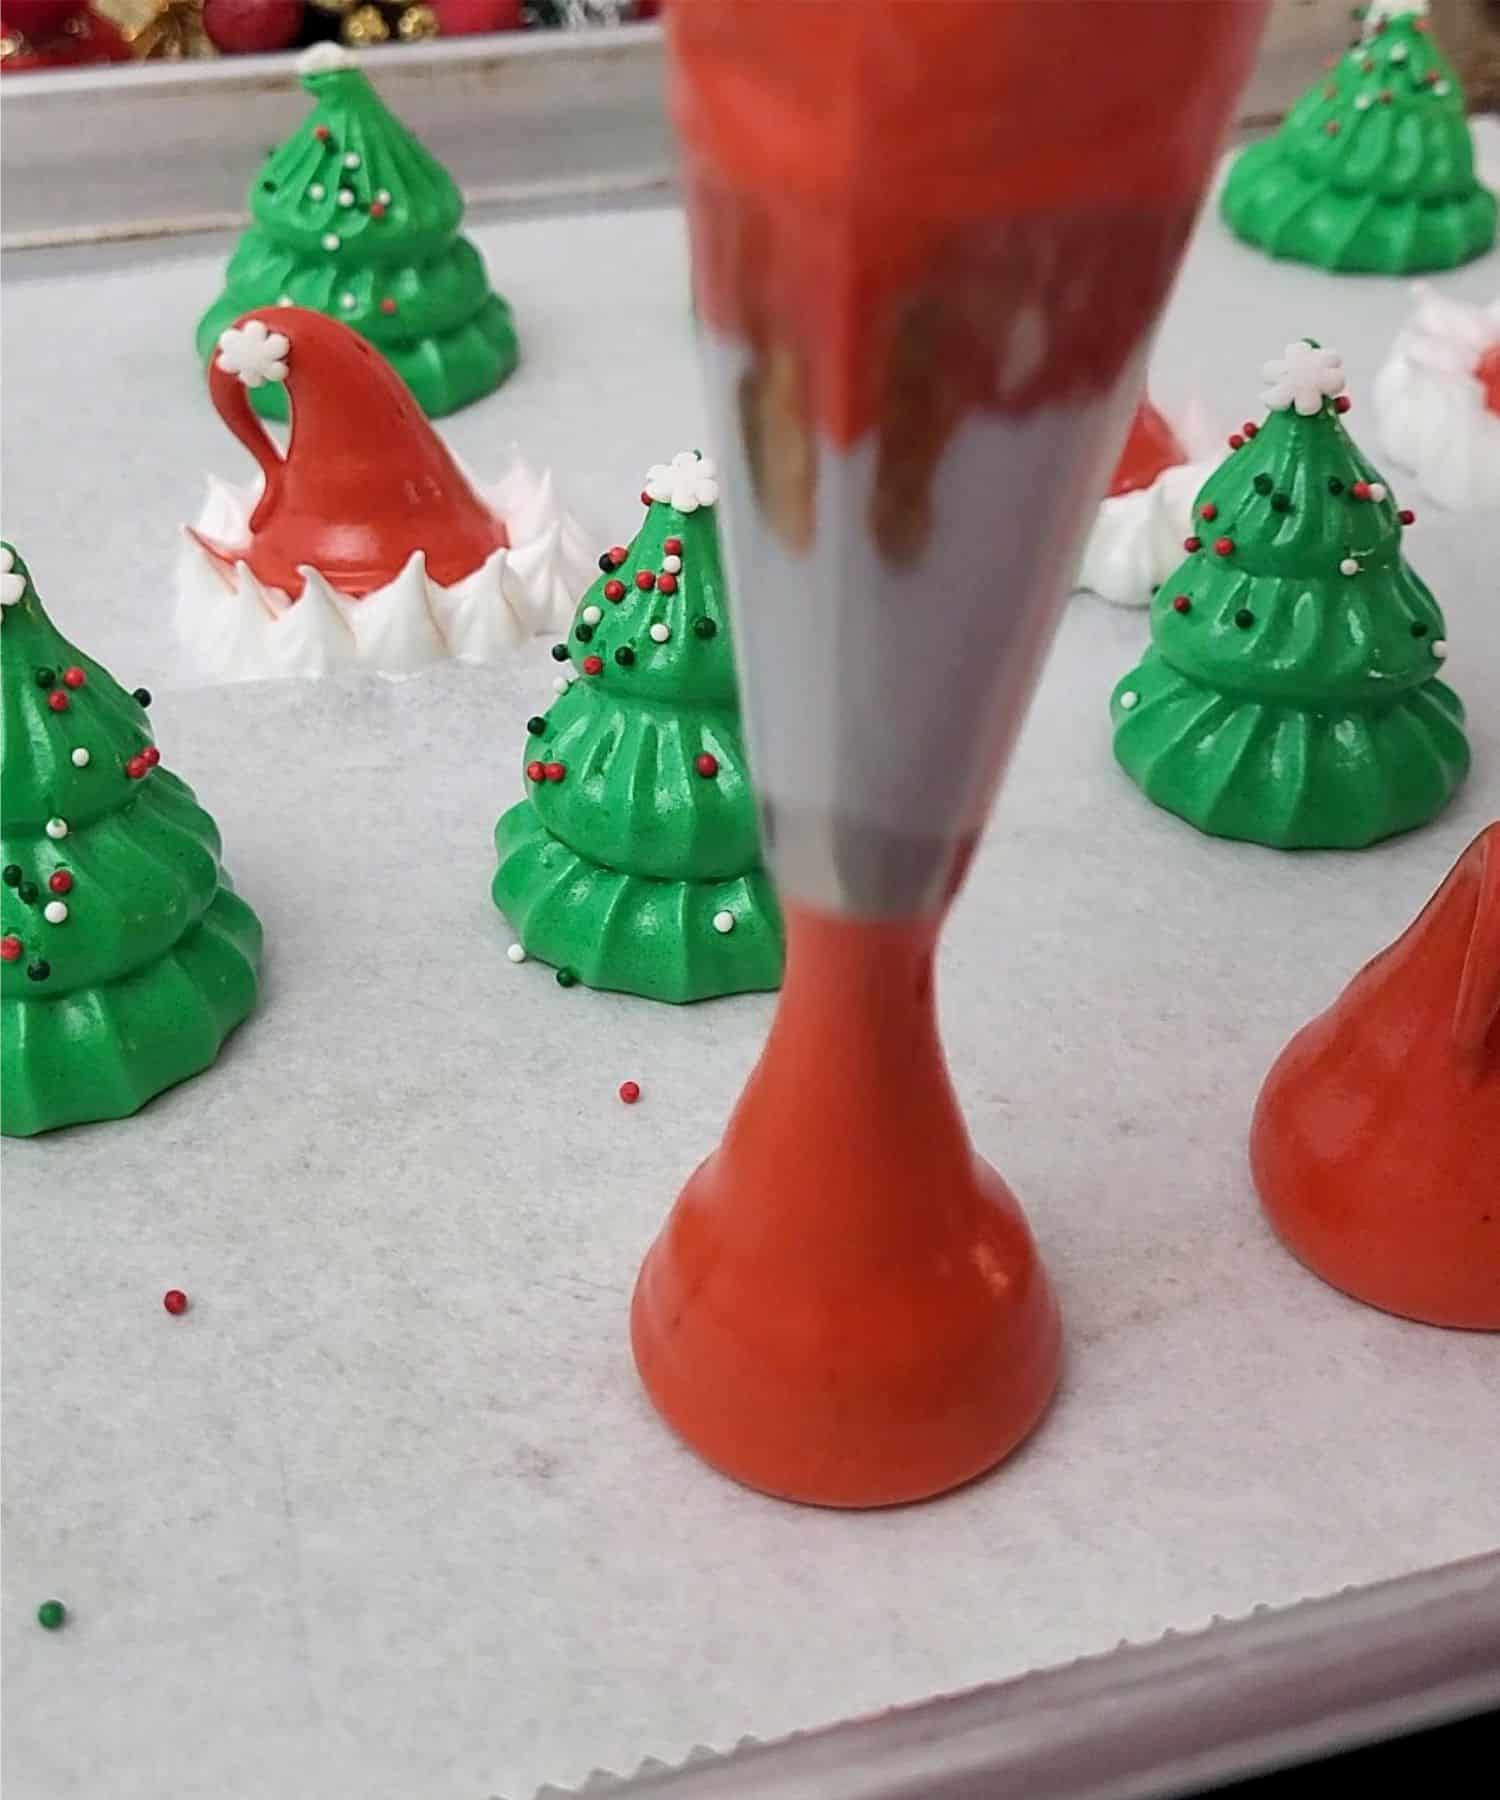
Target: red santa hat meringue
[[365, 480], [1151, 448]]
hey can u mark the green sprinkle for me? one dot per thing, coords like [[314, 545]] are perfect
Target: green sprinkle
[[566, 978], [50, 1614]]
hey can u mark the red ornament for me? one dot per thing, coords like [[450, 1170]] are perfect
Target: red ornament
[[1223, 546], [666, 584], [1342, 404], [671, 546], [555, 771], [1407, 516], [645, 580], [387, 306], [175, 1301], [74, 677], [1236, 442], [58, 700], [536, 771], [614, 590], [10, 949], [60, 881], [136, 767], [593, 665], [1360, 490], [239, 26], [706, 764], [151, 756], [630, 1092], [1208, 510], [1182, 604], [1192, 543], [1249, 429]]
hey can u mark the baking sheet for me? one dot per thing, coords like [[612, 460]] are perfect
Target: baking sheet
[[386, 1513]]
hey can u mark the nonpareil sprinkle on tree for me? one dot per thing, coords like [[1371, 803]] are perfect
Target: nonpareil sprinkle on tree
[[1291, 693]]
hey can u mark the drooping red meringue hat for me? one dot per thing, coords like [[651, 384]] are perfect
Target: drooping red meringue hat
[[1376, 1140], [365, 480], [1151, 448]]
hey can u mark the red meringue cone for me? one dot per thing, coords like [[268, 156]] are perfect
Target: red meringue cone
[[1151, 447], [1376, 1140], [365, 481]]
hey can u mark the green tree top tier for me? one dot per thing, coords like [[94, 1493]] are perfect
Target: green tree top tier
[[1290, 694], [352, 217], [125, 959], [1374, 167], [634, 862]]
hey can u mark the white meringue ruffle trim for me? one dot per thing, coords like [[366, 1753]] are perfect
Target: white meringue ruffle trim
[[1136, 539], [237, 629], [1430, 409]]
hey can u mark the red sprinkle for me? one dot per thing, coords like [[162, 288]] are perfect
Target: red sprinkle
[[1385, 96], [136, 767], [1192, 543], [1407, 516], [175, 1301], [645, 498], [1223, 546], [671, 546], [666, 584], [388, 306], [10, 949], [536, 771], [58, 700], [321, 133], [377, 209], [555, 771], [1332, 128], [614, 590], [60, 881], [1330, 92], [645, 580], [151, 756], [593, 665], [1360, 490], [618, 554], [706, 764], [1342, 404], [74, 677], [1236, 442], [630, 1092], [1249, 429], [1208, 510], [1182, 604]]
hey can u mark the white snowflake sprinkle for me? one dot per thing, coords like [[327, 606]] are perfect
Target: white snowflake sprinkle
[[1303, 376], [254, 353], [686, 483], [12, 586], [723, 921]]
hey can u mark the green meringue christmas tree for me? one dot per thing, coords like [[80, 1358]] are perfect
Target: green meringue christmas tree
[[125, 959], [1291, 694], [352, 217], [1374, 167], [634, 863]]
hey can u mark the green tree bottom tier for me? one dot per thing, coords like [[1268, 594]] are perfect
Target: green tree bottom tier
[[1269, 201], [444, 372], [1284, 775], [657, 939], [103, 1052]]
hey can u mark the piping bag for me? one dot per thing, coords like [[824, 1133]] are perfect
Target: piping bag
[[931, 239]]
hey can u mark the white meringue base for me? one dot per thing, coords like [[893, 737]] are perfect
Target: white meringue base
[[1136, 540], [237, 629], [1430, 408]]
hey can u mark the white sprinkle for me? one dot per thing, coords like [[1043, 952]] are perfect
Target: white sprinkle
[[57, 828], [384, 196], [316, 191], [286, 300], [1442, 87], [516, 953], [330, 240], [351, 161], [1363, 102], [1348, 566], [1128, 699], [1377, 490], [1398, 53], [723, 921], [55, 913], [671, 565], [346, 196], [660, 633], [1440, 648], [571, 677], [80, 758], [560, 685], [348, 302], [592, 615]]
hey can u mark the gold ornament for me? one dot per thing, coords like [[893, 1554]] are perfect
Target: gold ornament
[[364, 26], [164, 30], [333, 6], [416, 23]]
